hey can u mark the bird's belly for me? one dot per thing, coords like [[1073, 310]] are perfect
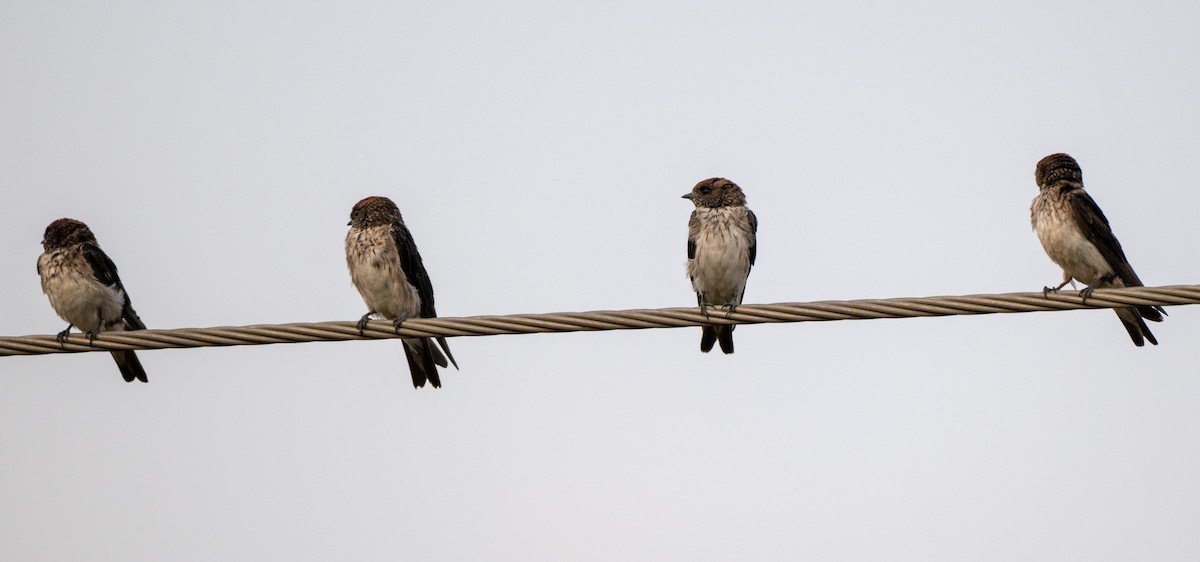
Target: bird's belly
[[1073, 252], [384, 287], [720, 268], [83, 302]]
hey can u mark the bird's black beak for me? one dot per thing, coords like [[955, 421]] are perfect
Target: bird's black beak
[[349, 223], [687, 196]]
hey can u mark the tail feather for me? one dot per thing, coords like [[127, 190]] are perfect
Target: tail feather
[[127, 361], [1138, 331], [725, 338], [438, 355], [438, 358], [421, 365], [1152, 313], [130, 366], [715, 334], [708, 338]]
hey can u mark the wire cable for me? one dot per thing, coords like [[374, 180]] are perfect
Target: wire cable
[[821, 311]]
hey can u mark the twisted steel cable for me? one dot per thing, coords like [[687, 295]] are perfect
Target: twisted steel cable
[[605, 320]]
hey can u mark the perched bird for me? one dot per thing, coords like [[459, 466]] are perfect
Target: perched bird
[[721, 248], [84, 289], [387, 270], [1076, 235]]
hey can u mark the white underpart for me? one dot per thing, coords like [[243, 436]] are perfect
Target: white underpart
[[722, 257], [375, 270], [1065, 243], [75, 293]]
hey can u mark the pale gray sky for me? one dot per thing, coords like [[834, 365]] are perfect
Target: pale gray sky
[[538, 151]]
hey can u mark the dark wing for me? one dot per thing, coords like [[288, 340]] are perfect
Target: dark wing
[[414, 269], [693, 232], [753, 235], [105, 271], [726, 339], [1094, 224]]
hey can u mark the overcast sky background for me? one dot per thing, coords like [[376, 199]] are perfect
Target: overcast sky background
[[538, 151]]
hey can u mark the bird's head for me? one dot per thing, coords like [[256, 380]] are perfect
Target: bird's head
[[1057, 168], [716, 192], [64, 233], [374, 211]]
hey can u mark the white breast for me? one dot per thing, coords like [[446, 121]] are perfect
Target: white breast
[[376, 272], [1065, 243], [722, 257], [75, 293]]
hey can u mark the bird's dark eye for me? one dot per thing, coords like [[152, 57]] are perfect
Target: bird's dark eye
[[705, 190]]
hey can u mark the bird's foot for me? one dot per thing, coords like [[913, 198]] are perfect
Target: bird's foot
[[62, 336], [91, 336], [399, 321], [362, 322], [702, 303], [729, 310], [1047, 290], [1085, 294]]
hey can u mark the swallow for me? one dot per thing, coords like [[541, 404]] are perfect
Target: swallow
[[387, 270], [84, 289], [721, 249], [1076, 235]]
